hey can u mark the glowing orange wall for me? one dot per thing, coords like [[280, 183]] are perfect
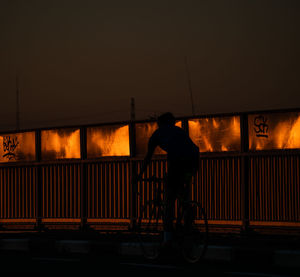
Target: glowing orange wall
[[216, 134], [60, 144], [108, 141], [274, 131], [17, 147]]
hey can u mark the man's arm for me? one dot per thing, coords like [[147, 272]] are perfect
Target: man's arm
[[151, 147]]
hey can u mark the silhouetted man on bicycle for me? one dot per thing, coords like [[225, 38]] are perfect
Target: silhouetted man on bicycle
[[183, 160]]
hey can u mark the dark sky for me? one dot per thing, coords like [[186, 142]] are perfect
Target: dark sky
[[82, 61]]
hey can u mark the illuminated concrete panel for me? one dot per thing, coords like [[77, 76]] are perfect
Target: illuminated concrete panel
[[17, 147], [60, 144], [108, 141], [274, 131], [216, 134]]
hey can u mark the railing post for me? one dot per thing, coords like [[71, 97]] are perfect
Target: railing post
[[39, 182], [132, 172], [83, 200], [244, 173]]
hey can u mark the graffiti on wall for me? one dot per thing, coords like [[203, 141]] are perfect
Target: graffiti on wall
[[9, 146], [274, 131], [17, 147], [261, 127]]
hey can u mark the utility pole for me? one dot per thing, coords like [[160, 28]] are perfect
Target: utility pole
[[17, 104], [133, 165], [189, 85]]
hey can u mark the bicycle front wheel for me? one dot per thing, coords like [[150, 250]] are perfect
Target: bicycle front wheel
[[194, 243], [151, 231]]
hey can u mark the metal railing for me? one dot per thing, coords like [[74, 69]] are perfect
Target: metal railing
[[244, 188]]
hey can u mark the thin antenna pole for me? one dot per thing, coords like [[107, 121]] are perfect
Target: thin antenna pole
[[17, 104], [189, 84], [132, 109]]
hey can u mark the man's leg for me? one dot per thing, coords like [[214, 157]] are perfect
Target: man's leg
[[169, 214]]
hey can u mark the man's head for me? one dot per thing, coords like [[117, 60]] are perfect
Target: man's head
[[166, 119]]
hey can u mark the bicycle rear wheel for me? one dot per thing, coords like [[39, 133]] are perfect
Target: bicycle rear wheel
[[194, 243]]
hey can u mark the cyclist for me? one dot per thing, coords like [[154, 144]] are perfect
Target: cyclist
[[183, 159]]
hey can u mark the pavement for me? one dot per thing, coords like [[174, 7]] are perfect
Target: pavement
[[276, 251]]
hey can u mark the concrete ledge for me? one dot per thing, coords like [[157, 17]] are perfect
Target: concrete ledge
[[219, 253], [73, 246], [130, 249], [14, 244], [287, 258]]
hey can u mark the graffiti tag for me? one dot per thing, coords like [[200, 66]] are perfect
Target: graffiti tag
[[9, 146], [261, 127]]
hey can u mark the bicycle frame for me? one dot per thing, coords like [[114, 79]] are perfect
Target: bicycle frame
[[150, 237], [159, 202]]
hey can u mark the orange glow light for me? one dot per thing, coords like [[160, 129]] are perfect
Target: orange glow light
[[216, 134], [60, 144], [274, 131], [108, 141], [17, 147]]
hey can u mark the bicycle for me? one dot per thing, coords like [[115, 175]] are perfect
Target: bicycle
[[191, 242]]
